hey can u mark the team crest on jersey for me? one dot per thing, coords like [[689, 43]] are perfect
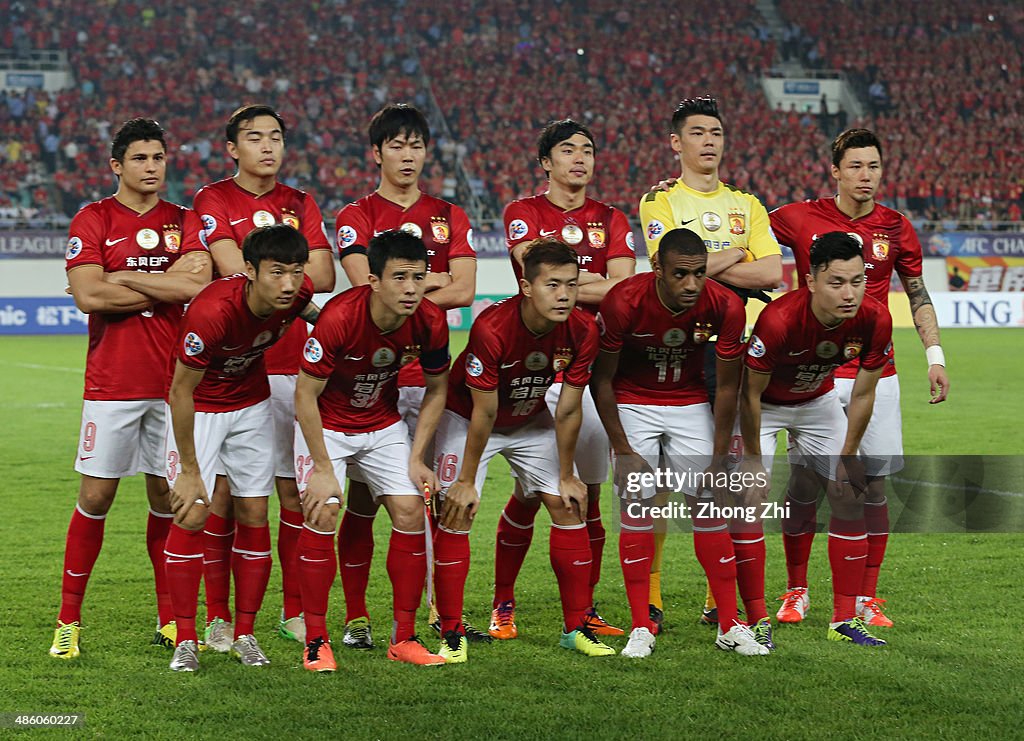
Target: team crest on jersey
[[563, 356], [673, 337], [655, 229], [439, 228], [880, 246], [263, 338], [384, 357], [346, 236], [410, 354], [711, 221], [193, 344], [826, 349], [313, 351], [756, 348], [147, 239], [517, 230], [852, 348], [536, 361], [701, 333], [473, 366], [413, 229], [74, 248], [172, 238], [290, 218], [737, 222], [596, 234], [263, 218], [572, 234]]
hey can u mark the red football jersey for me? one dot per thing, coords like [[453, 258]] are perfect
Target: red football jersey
[[597, 232], [802, 354], [661, 359], [127, 355], [361, 363], [888, 238], [443, 227], [502, 355], [221, 335], [228, 211]]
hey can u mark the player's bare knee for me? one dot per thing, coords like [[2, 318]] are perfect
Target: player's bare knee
[[876, 490], [194, 519], [251, 511], [360, 500], [288, 494], [95, 495], [158, 494], [406, 513], [327, 519]]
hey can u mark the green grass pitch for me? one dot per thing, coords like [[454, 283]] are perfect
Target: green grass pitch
[[953, 666]]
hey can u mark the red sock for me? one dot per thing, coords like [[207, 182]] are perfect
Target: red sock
[[797, 539], [355, 554], [636, 549], [157, 526], [220, 535], [847, 553], [515, 532], [407, 568], [82, 547], [596, 535], [288, 532], [317, 568], [748, 545], [571, 559], [876, 519], [184, 568], [451, 567], [716, 555], [250, 562]]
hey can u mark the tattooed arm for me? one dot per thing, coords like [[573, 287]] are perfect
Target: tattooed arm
[[927, 325]]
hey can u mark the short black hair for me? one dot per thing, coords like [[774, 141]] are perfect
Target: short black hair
[[135, 130], [834, 246], [547, 252], [394, 244], [854, 139], [681, 242], [249, 113], [558, 131], [396, 119], [278, 242], [702, 105]]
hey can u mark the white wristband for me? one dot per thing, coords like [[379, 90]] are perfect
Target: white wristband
[[935, 355]]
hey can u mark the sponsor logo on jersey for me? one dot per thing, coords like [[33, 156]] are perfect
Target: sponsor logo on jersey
[[263, 338], [711, 221], [536, 361], [827, 349], [852, 348], [756, 348], [655, 229], [572, 234], [313, 351], [413, 229], [346, 236], [563, 356], [263, 218], [147, 239], [172, 238], [473, 366], [737, 222], [596, 235], [193, 344], [673, 337], [290, 218], [880, 246], [439, 228], [383, 357], [74, 248], [517, 230]]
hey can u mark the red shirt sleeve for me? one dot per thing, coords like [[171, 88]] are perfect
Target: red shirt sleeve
[[352, 228], [520, 225], [734, 322], [613, 318], [328, 336], [202, 330], [436, 358], [578, 372], [780, 223], [908, 262], [85, 240], [313, 225], [620, 236], [767, 342], [483, 357], [191, 226], [461, 244], [213, 214], [877, 353]]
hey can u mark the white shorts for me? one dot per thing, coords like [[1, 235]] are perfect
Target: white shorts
[[680, 439], [592, 447], [410, 399], [882, 444], [381, 458], [817, 429], [121, 438], [531, 452], [282, 410], [238, 444]]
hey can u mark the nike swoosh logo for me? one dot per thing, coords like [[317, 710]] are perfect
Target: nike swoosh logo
[[628, 561], [86, 457], [447, 563], [513, 545], [228, 349], [582, 563], [238, 221], [509, 365], [727, 560], [794, 354], [648, 334], [355, 565], [314, 560], [69, 572], [181, 560], [354, 357], [684, 223], [728, 643], [745, 560], [547, 233], [420, 553], [112, 242], [855, 558]]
